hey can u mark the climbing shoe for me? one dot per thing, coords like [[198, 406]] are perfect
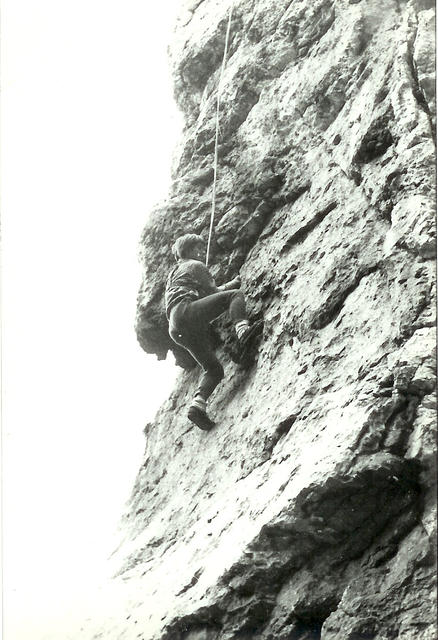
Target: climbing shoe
[[200, 418], [251, 333], [247, 345]]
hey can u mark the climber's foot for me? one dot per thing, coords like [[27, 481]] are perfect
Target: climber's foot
[[248, 343], [200, 418], [254, 330]]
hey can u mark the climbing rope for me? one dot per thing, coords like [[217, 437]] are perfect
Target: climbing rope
[[213, 202]]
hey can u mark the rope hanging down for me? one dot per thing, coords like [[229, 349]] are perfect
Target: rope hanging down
[[213, 203]]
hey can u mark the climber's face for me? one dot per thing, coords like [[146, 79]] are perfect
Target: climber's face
[[196, 252]]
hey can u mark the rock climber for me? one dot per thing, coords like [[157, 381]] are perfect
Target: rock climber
[[192, 302]]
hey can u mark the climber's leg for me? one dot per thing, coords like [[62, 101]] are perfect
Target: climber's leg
[[193, 316], [194, 337], [189, 327], [191, 330], [200, 312], [206, 309], [211, 376]]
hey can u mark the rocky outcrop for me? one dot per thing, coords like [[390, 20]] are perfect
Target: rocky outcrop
[[309, 512]]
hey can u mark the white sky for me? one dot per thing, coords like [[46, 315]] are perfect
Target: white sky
[[88, 126]]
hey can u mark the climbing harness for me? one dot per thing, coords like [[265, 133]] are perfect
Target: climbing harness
[[213, 203]]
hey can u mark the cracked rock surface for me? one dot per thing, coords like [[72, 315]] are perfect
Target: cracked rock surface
[[309, 511]]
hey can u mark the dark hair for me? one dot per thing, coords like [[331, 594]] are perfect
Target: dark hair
[[184, 243]]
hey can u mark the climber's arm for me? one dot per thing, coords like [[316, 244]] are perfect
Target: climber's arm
[[205, 280], [233, 284], [208, 284]]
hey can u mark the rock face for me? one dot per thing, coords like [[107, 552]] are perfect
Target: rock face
[[309, 511]]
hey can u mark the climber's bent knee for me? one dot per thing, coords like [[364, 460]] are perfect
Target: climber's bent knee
[[237, 306]]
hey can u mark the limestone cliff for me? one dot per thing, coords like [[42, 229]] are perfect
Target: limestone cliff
[[309, 512]]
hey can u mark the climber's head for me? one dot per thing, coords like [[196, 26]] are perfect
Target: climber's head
[[189, 247]]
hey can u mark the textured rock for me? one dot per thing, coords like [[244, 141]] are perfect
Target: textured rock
[[309, 512]]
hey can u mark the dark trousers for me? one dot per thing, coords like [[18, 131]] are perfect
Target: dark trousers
[[189, 327]]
